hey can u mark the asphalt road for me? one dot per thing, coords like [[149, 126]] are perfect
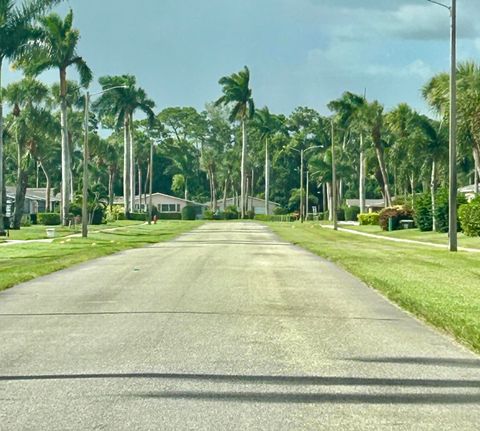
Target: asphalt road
[[225, 328]]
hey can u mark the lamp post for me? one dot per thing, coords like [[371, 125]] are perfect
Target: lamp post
[[452, 188], [302, 157], [86, 158]]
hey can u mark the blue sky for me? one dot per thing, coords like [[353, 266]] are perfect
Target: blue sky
[[300, 52]]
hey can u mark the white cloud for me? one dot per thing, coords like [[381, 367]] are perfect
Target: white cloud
[[417, 68]]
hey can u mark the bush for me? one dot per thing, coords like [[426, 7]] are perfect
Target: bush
[[423, 212], [208, 215], [470, 217], [368, 219], [49, 219], [250, 214], [230, 213], [97, 215], [280, 211], [25, 221], [340, 214], [189, 213], [396, 213], [351, 213], [75, 209], [167, 216], [138, 216], [441, 209], [115, 213]]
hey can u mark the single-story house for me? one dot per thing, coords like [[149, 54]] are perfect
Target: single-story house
[[371, 205], [35, 200], [257, 204], [469, 191], [164, 203]]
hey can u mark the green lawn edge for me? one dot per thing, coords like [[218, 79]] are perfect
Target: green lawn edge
[[20, 263], [438, 287]]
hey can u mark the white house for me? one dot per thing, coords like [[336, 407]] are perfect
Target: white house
[[257, 204], [469, 192], [35, 200], [164, 203], [371, 205]]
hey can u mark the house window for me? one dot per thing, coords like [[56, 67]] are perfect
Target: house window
[[178, 208], [169, 208]]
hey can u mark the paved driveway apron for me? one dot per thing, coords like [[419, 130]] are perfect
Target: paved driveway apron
[[226, 327]]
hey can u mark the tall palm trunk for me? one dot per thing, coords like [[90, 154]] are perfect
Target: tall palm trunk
[[242, 170], [476, 158], [111, 177], [126, 166], [225, 193], [21, 186], [132, 166], [362, 177], [432, 191], [48, 204], [214, 189], [2, 183], [186, 189], [267, 179], [140, 186], [330, 201], [383, 170], [66, 164]]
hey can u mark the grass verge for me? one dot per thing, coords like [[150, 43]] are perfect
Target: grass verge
[[440, 287], [23, 262]]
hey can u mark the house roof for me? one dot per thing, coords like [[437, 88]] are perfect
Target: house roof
[[120, 200], [369, 203], [34, 193], [255, 199], [467, 189]]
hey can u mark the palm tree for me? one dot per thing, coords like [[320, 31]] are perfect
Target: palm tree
[[267, 125], [236, 92], [15, 32], [56, 47], [25, 97], [122, 102], [348, 109]]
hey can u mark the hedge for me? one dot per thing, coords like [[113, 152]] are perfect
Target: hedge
[[189, 213], [441, 209], [470, 218], [368, 219], [397, 213], [275, 218], [49, 219], [169, 216], [423, 212], [351, 213]]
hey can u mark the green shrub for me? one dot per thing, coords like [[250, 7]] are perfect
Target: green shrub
[[396, 213], [189, 213], [280, 211], [368, 219], [25, 221], [340, 214], [208, 214], [441, 209], [470, 217], [97, 216], [75, 209], [423, 212], [115, 213], [49, 219], [138, 216], [250, 214], [275, 218], [351, 213], [230, 213], [168, 216]]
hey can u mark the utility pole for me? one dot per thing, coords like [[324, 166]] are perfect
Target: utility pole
[[85, 170], [150, 209], [452, 198], [334, 184], [301, 185]]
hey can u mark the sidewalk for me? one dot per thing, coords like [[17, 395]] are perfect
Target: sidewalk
[[408, 241]]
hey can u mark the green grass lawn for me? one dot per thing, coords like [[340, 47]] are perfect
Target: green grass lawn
[[442, 288], [417, 235], [22, 262], [39, 231]]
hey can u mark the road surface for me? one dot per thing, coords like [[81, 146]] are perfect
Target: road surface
[[226, 327]]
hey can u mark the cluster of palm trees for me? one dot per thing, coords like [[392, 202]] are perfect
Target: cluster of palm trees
[[230, 149]]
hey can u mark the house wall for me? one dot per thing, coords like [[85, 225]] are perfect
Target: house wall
[[258, 205], [164, 204]]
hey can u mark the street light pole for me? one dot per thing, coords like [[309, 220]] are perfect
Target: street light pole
[[452, 146], [306, 198], [150, 209], [85, 170], [452, 196]]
